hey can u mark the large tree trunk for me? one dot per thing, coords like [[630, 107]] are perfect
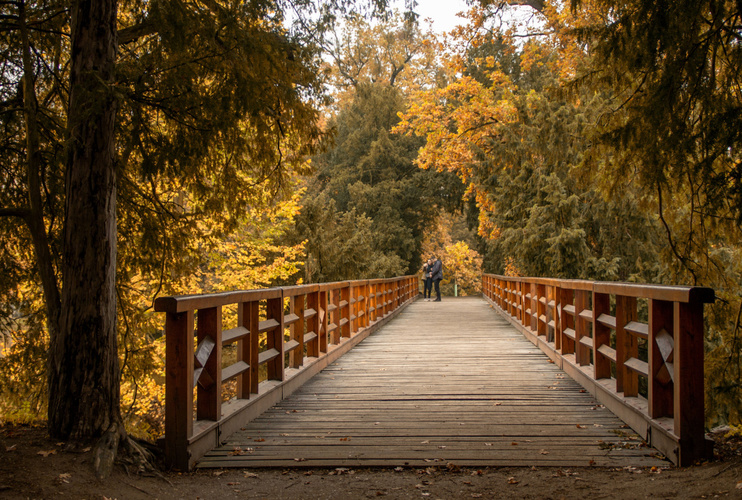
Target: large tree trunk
[[84, 368]]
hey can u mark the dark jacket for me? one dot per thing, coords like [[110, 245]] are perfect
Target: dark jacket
[[437, 270]]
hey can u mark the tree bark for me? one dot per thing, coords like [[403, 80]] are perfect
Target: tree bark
[[84, 367]]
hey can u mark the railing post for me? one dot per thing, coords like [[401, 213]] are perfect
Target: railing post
[[541, 310], [582, 303], [567, 320], [296, 356], [601, 335], [274, 338], [344, 306], [209, 355], [254, 347], [688, 377], [660, 378], [324, 317], [534, 308], [313, 323], [558, 315], [178, 387], [627, 346]]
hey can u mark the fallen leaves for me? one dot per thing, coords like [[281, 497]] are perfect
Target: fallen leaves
[[237, 451], [11, 448], [512, 480], [47, 453]]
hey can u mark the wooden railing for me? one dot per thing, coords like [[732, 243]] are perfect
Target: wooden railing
[[594, 331], [302, 328]]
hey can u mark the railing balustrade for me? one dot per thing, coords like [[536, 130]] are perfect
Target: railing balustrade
[[303, 328], [593, 331]]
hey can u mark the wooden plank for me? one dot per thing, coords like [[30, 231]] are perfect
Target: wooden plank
[[290, 319], [234, 370], [267, 325], [637, 366], [608, 352], [267, 355], [229, 336], [638, 328]]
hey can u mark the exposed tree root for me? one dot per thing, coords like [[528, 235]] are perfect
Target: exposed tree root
[[115, 445]]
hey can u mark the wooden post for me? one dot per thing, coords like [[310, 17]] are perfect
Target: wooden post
[[566, 298], [582, 353], [558, 318], [209, 392], [296, 357], [345, 310], [274, 338], [178, 387], [541, 310], [322, 320], [660, 380], [247, 349], [601, 335], [627, 346], [313, 324], [687, 364]]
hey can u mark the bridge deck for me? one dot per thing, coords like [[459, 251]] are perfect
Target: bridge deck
[[448, 382]]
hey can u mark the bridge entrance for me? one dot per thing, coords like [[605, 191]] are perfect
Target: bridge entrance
[[442, 383]]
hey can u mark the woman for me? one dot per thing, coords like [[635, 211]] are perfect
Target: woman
[[427, 279]]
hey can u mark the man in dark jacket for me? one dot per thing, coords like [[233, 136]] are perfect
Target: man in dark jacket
[[437, 272]]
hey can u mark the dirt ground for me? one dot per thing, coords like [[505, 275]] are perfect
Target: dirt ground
[[33, 466]]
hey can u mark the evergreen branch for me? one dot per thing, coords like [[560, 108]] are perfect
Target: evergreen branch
[[134, 33], [670, 239], [15, 212]]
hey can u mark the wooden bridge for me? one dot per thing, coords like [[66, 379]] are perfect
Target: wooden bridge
[[463, 382]]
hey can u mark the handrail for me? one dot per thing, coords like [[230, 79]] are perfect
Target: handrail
[[305, 328], [592, 331]]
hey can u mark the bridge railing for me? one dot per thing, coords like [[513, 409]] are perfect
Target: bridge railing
[[282, 335], [614, 338]]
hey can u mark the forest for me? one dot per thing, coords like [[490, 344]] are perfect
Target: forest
[[246, 144]]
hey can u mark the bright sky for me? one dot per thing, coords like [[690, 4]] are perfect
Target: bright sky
[[442, 12]]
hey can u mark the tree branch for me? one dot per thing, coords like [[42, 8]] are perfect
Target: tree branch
[[15, 212]]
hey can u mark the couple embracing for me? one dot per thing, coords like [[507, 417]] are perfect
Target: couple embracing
[[432, 273]]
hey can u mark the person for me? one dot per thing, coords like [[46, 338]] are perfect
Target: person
[[427, 279], [436, 272]]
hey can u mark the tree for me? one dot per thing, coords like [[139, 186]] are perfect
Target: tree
[[83, 360]]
